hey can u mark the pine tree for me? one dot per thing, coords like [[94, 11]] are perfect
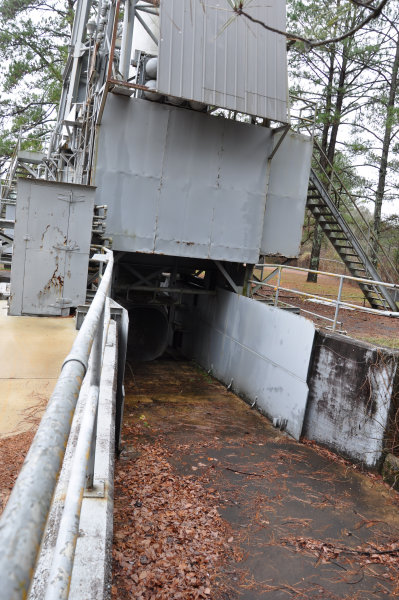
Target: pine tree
[[33, 49]]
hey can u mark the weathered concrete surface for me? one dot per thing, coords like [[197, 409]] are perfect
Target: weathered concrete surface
[[353, 397], [92, 564], [32, 351], [274, 491]]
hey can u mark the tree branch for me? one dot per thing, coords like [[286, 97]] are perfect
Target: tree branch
[[309, 44]]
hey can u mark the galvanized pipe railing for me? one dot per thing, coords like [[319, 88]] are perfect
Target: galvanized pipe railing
[[23, 521], [277, 271]]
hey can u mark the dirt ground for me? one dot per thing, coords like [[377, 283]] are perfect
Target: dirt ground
[[378, 330], [12, 454], [212, 502]]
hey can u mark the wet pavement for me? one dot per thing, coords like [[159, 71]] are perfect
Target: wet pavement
[[32, 350], [302, 525]]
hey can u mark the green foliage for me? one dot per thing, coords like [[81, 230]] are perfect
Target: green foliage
[[33, 47], [352, 82]]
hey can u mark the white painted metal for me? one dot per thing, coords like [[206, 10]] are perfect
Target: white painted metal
[[286, 196], [77, 40], [209, 54], [24, 518], [181, 183], [127, 36], [141, 40], [92, 564], [265, 352], [323, 299], [52, 241]]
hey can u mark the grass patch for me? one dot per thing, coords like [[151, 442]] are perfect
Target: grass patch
[[381, 341]]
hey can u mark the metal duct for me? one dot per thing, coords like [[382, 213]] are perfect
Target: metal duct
[[148, 333]]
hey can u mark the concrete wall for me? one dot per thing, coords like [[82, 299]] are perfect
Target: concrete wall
[[352, 397], [261, 352]]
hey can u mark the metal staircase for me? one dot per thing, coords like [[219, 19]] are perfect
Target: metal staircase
[[346, 228], [336, 211]]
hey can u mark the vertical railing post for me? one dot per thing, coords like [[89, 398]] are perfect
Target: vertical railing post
[[341, 281], [96, 364], [278, 285]]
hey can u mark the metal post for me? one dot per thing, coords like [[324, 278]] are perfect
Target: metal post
[[278, 285], [61, 568], [24, 518], [96, 364], [341, 281], [127, 38]]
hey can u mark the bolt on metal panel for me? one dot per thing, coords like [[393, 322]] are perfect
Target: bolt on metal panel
[[181, 183], [51, 247], [209, 54], [261, 352]]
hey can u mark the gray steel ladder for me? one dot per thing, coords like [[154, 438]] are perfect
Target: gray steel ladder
[[349, 241]]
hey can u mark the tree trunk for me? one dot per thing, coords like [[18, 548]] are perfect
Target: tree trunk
[[315, 254], [382, 171], [317, 233], [329, 147]]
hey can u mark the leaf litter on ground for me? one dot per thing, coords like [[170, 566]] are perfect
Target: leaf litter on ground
[[169, 540]]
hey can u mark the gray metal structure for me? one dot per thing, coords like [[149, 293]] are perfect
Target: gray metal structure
[[258, 351], [286, 195], [184, 171], [194, 162], [210, 55], [194, 185], [51, 247]]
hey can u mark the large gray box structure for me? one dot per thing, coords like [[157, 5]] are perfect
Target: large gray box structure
[[183, 183], [51, 247], [287, 195]]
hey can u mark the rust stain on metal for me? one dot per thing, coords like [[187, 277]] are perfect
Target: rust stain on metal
[[44, 232], [56, 281]]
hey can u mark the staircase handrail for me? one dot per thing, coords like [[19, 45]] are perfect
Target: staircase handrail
[[349, 207], [309, 125]]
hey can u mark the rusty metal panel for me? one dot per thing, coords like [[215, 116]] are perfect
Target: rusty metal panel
[[51, 247], [286, 196], [181, 183], [262, 352], [210, 55]]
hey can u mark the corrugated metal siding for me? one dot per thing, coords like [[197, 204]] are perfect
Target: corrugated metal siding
[[208, 54]]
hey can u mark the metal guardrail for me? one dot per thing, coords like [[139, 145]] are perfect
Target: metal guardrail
[[23, 521], [338, 302]]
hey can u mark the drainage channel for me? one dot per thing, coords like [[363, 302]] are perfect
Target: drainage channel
[[212, 502]]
